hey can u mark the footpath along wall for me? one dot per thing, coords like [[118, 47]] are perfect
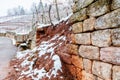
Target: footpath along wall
[[96, 31]]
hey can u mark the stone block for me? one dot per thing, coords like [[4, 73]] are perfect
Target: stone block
[[72, 37], [82, 4], [89, 52], [78, 16], [116, 73], [72, 49], [109, 20], [102, 70], [110, 54], [74, 8], [116, 37], [115, 4], [77, 27], [83, 38], [87, 65], [87, 76], [101, 38], [78, 74], [99, 78], [77, 61], [98, 8], [89, 24]]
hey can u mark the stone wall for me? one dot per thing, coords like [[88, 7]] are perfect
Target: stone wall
[[96, 31]]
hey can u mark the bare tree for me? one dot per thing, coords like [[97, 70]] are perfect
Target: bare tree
[[56, 4], [50, 6], [35, 11]]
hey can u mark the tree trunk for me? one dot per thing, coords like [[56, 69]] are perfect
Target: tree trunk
[[58, 17], [50, 15]]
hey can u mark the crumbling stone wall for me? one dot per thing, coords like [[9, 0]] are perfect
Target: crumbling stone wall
[[96, 31]]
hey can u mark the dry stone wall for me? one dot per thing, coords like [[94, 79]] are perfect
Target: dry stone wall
[[96, 30]]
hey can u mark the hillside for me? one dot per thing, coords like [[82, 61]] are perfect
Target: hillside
[[53, 49], [82, 46]]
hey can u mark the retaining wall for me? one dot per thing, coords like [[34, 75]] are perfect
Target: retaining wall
[[96, 32]]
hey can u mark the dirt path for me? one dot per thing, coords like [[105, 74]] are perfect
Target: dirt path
[[7, 52]]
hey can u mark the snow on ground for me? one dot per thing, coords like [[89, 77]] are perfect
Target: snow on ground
[[19, 18], [55, 22], [46, 47]]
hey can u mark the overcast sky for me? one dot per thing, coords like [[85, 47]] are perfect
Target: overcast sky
[[9, 4]]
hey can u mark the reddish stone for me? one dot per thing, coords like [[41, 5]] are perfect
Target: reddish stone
[[77, 61]]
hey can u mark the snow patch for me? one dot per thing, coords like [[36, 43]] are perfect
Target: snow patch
[[55, 22], [44, 48], [22, 54]]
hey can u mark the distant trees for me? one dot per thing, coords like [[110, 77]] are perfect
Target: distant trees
[[16, 11]]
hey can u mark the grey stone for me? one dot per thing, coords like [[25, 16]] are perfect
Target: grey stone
[[83, 38], [115, 4], [87, 65], [116, 37], [98, 8], [109, 20], [101, 38], [116, 72], [89, 24], [110, 55], [89, 52], [82, 4], [78, 16], [102, 70]]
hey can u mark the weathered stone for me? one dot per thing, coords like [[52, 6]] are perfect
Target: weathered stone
[[74, 8], [77, 27], [110, 54], [87, 65], [83, 38], [98, 8], [115, 4], [82, 4], [72, 49], [89, 24], [72, 69], [77, 61], [109, 20], [72, 37], [101, 38], [78, 16], [116, 37], [89, 52], [116, 72], [99, 78], [102, 70], [78, 74], [87, 76]]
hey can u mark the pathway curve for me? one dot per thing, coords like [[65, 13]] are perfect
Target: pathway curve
[[7, 52]]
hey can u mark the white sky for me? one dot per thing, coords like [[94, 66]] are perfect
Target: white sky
[[9, 4]]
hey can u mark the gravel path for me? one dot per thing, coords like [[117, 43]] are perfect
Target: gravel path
[[7, 52]]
